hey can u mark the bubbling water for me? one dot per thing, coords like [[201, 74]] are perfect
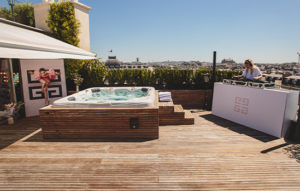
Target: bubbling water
[[117, 95]]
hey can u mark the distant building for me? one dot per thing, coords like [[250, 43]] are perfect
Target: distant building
[[134, 65], [228, 61], [113, 63], [202, 64]]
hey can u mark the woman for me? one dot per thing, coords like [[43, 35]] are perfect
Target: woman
[[45, 76], [251, 71]]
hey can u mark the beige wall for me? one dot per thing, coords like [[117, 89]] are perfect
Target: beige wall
[[81, 13], [41, 15]]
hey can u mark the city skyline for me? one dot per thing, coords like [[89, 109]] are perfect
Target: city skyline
[[266, 31]]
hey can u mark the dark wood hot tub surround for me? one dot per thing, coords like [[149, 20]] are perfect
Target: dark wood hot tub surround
[[100, 123]]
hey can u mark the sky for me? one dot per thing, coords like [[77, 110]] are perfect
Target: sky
[[267, 31]]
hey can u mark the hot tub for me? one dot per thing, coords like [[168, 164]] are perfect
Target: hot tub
[[103, 113], [120, 97]]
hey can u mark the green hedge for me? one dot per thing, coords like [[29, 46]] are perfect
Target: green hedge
[[64, 26], [62, 22], [93, 72], [23, 12], [159, 78]]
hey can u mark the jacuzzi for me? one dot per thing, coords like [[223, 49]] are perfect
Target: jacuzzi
[[103, 113], [106, 97]]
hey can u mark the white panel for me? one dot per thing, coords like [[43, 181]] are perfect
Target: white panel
[[32, 106], [35, 54], [17, 42], [260, 109]]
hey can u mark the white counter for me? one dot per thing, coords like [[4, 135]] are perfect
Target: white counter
[[268, 110]]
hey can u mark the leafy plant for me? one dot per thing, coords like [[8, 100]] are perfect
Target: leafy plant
[[23, 13], [115, 77], [93, 72], [62, 22], [64, 26], [129, 77], [147, 78], [198, 78], [77, 79], [159, 76], [169, 78]]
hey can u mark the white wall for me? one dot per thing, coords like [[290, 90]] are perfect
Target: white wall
[[82, 14], [32, 88], [268, 110]]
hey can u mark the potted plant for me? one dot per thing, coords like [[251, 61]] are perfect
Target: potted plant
[[77, 81]]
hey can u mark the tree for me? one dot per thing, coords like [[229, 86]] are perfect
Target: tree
[[23, 12], [62, 22]]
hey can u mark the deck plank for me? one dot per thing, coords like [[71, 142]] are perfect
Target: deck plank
[[212, 154]]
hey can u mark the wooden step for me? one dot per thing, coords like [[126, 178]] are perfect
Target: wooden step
[[178, 109], [165, 104], [171, 114], [188, 118], [188, 114], [176, 121], [166, 107], [177, 116]]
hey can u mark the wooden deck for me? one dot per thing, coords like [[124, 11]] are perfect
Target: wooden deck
[[213, 154]]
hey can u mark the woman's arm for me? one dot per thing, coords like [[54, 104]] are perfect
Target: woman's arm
[[257, 74], [243, 75], [257, 77]]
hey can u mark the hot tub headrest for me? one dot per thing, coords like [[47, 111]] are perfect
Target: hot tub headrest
[[71, 98], [145, 89], [95, 90]]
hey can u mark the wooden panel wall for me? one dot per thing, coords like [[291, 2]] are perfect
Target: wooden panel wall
[[99, 123], [191, 99]]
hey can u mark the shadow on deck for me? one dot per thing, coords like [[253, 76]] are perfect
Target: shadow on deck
[[38, 137], [24, 127], [238, 128]]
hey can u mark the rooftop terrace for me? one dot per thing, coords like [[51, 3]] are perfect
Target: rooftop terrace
[[213, 154]]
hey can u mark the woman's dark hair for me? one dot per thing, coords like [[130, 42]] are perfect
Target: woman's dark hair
[[43, 69]]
